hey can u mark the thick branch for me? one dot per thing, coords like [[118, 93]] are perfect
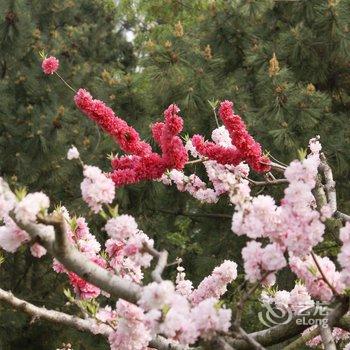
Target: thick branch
[[162, 343], [78, 263], [297, 325], [219, 343], [342, 216], [327, 338], [86, 325], [249, 339], [300, 342]]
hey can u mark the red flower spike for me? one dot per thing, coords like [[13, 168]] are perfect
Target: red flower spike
[[126, 136], [142, 163], [244, 147]]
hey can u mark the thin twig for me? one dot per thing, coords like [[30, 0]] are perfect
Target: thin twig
[[327, 337], [216, 118], [66, 83], [275, 159], [323, 275], [298, 343], [268, 182], [201, 160]]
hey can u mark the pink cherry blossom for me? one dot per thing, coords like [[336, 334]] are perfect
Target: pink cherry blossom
[[131, 332], [215, 285], [11, 236], [156, 295], [259, 261], [210, 319], [306, 269], [121, 227], [73, 153], [7, 198], [183, 285], [96, 188], [37, 250], [29, 207]]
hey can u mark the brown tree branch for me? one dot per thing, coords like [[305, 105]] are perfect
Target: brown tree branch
[[76, 262], [342, 216], [329, 183], [86, 325], [300, 342], [282, 332], [162, 343], [161, 264], [268, 182], [327, 337], [249, 339]]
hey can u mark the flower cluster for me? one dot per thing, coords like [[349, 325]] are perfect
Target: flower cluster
[[25, 211], [11, 236], [297, 300], [96, 188], [338, 335], [131, 332], [184, 320], [163, 310], [79, 235], [295, 225], [73, 153], [50, 65], [174, 154], [30, 206], [225, 178], [125, 247], [260, 264], [301, 224], [125, 135], [243, 146], [141, 163], [182, 285], [306, 269], [215, 285], [191, 184]]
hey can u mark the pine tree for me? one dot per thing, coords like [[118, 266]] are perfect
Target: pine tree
[[38, 125], [284, 65], [39, 122]]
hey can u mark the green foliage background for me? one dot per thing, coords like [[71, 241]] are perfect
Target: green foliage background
[[187, 52]]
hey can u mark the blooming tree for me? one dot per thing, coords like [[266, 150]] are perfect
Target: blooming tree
[[176, 314]]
